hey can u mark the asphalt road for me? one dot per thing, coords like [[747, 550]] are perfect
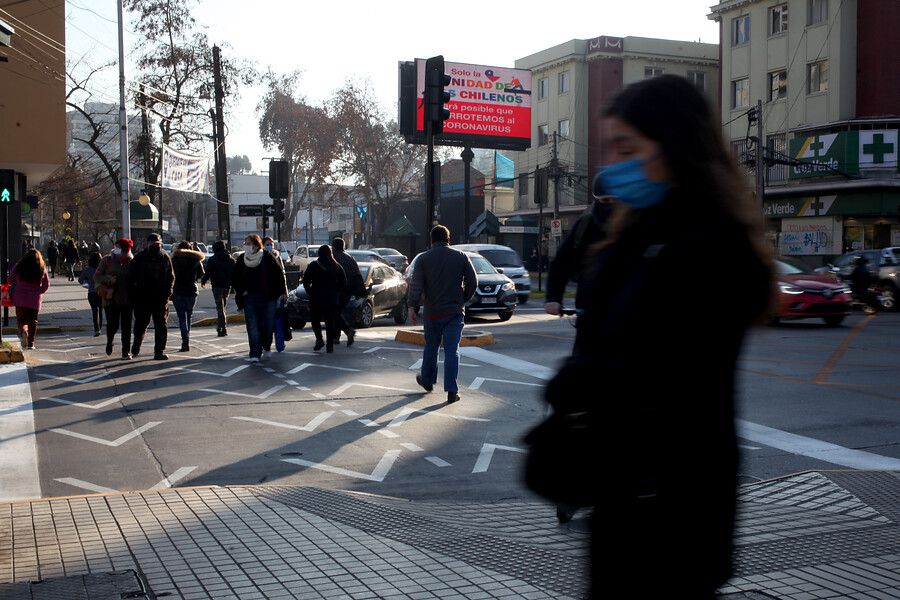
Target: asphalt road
[[810, 397]]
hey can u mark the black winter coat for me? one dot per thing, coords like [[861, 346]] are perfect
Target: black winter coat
[[219, 270], [655, 369], [569, 262], [354, 285], [266, 279], [150, 279], [188, 268], [323, 285]]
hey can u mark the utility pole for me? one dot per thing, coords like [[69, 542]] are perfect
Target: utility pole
[[467, 156], [221, 176], [145, 145], [554, 173], [123, 132], [760, 146]]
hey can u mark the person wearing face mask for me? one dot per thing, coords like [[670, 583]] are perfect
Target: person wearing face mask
[[151, 280], [111, 284], [655, 373], [259, 285], [187, 264]]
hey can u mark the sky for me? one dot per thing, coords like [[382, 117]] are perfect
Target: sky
[[331, 41]]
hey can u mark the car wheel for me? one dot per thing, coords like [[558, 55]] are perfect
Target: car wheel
[[366, 316], [834, 321], [888, 297], [506, 315], [401, 315]]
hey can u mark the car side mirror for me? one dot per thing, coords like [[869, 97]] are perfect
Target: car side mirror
[[499, 270]]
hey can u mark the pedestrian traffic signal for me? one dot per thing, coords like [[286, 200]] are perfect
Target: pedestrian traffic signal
[[279, 179], [435, 95], [7, 186], [278, 203]]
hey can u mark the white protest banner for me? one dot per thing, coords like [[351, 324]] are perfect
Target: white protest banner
[[184, 172]]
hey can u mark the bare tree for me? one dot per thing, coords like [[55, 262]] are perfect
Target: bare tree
[[305, 135]]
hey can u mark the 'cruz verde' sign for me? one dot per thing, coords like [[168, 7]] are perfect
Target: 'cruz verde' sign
[[848, 152]]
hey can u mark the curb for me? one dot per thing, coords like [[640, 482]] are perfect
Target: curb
[[234, 318], [544, 295], [13, 354], [469, 337], [47, 329]]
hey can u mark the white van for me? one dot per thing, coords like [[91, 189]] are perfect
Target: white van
[[506, 261]]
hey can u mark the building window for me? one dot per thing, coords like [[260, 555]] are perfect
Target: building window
[[698, 78], [740, 30], [776, 146], [564, 128], [650, 72], [543, 134], [543, 89], [817, 77], [777, 85], [817, 12], [778, 19], [523, 184], [740, 93], [564, 82]]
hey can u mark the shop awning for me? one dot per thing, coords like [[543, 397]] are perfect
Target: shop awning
[[402, 227], [485, 223]]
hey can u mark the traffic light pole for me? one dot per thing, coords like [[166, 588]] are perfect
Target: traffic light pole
[[222, 174], [467, 156], [429, 179], [760, 144], [4, 260]]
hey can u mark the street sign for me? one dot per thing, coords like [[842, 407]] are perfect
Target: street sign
[[256, 210], [555, 227]]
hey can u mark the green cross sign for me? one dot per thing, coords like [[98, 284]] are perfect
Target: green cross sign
[[878, 148], [816, 146], [5, 196]]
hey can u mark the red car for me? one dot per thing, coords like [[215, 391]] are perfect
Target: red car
[[804, 294]]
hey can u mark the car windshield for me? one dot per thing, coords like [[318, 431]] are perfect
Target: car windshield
[[387, 252], [502, 258], [313, 251], [364, 271], [482, 266], [785, 267]]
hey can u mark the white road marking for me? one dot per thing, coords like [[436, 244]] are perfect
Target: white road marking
[[65, 350], [307, 365], [268, 370], [347, 386], [280, 376], [86, 485], [418, 365], [233, 371], [377, 475], [476, 383], [91, 406], [73, 379], [412, 447], [744, 447], [311, 426], [292, 382], [19, 479], [438, 462], [116, 442], [173, 478], [367, 422], [507, 362], [812, 448], [350, 413], [377, 348], [487, 453], [272, 390], [404, 414], [321, 396], [388, 433]]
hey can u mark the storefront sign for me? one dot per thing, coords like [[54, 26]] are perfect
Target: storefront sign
[[847, 152], [518, 229], [810, 236]]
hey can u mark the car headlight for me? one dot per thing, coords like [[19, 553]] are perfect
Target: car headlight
[[843, 290], [509, 285], [787, 288]]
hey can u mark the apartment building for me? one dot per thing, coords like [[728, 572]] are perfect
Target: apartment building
[[572, 82], [826, 72]]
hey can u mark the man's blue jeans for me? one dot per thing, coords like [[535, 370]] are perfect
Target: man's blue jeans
[[259, 314], [448, 329]]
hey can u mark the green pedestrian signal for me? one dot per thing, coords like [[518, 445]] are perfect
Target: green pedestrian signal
[[5, 196], [7, 186]]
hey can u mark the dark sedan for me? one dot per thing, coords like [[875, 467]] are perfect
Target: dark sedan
[[386, 298]]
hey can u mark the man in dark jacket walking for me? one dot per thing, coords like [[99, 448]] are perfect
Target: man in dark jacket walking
[[187, 265], [219, 269], [52, 257], [151, 280], [447, 279], [353, 287]]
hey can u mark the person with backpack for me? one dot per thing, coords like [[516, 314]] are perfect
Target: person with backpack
[[151, 281], [323, 280], [219, 270], [86, 279]]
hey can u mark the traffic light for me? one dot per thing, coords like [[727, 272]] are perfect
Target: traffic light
[[278, 203], [7, 186], [751, 117], [279, 179], [541, 185], [435, 95]]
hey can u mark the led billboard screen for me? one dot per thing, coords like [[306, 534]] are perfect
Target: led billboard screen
[[490, 107]]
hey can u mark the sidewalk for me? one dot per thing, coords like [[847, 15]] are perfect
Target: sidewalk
[[812, 535]]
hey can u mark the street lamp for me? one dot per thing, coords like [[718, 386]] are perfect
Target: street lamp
[[66, 215], [143, 199]]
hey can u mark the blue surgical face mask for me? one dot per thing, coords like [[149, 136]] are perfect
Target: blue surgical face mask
[[628, 182], [270, 247]]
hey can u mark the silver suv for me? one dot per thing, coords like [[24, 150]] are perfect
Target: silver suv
[[506, 261], [884, 265]]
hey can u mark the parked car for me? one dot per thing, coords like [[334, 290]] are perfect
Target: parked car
[[303, 255], [805, 294], [506, 261], [395, 258], [884, 266], [496, 293], [386, 297], [366, 256]]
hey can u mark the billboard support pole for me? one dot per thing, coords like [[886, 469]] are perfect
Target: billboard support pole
[[467, 156]]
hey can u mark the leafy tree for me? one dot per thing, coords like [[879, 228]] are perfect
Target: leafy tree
[[238, 165]]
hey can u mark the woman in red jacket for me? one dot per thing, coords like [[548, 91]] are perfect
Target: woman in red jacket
[[29, 281]]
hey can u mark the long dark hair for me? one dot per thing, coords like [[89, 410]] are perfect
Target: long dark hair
[[31, 267], [326, 258]]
